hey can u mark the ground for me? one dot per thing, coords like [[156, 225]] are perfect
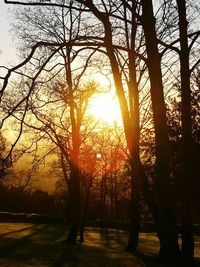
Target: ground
[[25, 244]]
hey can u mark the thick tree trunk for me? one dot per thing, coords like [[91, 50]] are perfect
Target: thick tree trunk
[[140, 185], [168, 233], [187, 232], [75, 207]]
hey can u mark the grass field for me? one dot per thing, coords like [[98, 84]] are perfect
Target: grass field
[[25, 244]]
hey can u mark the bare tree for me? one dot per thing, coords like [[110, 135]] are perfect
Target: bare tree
[[187, 232], [115, 32], [167, 225], [73, 98]]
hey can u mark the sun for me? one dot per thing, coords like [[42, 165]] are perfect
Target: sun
[[105, 107]]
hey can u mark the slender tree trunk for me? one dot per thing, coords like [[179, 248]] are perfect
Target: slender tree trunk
[[168, 232], [135, 136], [102, 198], [116, 197], [75, 195], [84, 215], [187, 231], [111, 197]]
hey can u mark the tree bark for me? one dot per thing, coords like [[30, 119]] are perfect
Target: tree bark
[[84, 214], [75, 207], [168, 233], [134, 207], [187, 231], [102, 198], [116, 197]]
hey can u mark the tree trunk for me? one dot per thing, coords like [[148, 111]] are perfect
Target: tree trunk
[[187, 231], [134, 207], [131, 129], [135, 136], [111, 197], [138, 177], [102, 198], [140, 185], [75, 196], [168, 232], [116, 197], [75, 207], [84, 214]]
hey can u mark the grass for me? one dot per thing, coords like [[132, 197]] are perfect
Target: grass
[[25, 244]]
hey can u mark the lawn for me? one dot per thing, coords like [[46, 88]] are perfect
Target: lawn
[[25, 244]]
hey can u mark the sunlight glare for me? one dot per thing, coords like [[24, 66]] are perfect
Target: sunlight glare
[[105, 107]]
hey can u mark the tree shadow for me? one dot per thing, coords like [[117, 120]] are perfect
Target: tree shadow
[[41, 245], [17, 231], [109, 238]]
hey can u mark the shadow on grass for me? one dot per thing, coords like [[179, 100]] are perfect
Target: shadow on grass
[[16, 231], [36, 243], [41, 245]]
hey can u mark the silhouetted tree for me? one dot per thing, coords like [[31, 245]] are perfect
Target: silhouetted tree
[[187, 233], [131, 20]]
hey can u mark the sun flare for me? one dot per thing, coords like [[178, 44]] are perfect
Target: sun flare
[[105, 107]]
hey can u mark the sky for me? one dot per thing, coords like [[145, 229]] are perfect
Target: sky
[[7, 48]]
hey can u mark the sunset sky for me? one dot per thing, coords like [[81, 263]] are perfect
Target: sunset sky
[[110, 112]]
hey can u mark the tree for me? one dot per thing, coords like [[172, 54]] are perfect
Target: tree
[[187, 232], [130, 20], [167, 225], [129, 106], [131, 122], [131, 131], [73, 98], [63, 126], [2, 149]]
